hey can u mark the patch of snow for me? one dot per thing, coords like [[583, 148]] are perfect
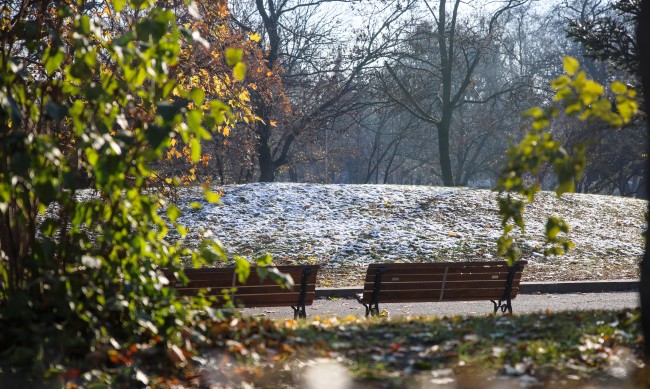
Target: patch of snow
[[350, 226]]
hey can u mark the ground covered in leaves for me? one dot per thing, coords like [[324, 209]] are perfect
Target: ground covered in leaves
[[345, 227], [566, 349]]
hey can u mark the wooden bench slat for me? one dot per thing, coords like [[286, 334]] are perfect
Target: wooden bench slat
[[433, 295], [448, 285], [254, 292], [441, 264], [261, 300], [423, 277], [452, 269], [250, 289], [228, 284], [441, 281], [226, 275]]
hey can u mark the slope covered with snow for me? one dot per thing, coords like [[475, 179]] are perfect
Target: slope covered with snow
[[345, 227]]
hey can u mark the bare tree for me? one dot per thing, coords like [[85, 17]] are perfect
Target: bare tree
[[450, 49], [318, 70]]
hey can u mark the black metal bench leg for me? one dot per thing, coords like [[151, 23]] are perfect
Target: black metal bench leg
[[502, 305], [505, 303], [299, 312], [370, 310], [496, 306]]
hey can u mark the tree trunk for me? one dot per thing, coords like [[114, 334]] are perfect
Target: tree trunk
[[643, 44], [262, 108], [443, 149], [264, 155]]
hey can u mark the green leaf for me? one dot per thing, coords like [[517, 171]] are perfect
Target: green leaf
[[167, 110], [53, 59], [264, 260], [151, 30], [239, 71], [168, 88], [571, 65], [197, 95], [219, 110], [84, 24], [211, 251], [173, 212], [195, 149], [157, 135], [242, 268], [56, 111], [282, 279], [194, 119], [92, 156], [119, 4], [234, 56]]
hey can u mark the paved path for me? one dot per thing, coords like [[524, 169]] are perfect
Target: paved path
[[524, 303]]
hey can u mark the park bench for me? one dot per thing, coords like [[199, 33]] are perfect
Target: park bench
[[254, 292], [447, 281]]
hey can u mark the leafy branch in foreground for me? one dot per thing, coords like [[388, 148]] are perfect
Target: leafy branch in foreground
[[87, 104], [576, 96]]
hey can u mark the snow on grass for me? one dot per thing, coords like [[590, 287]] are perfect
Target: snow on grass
[[345, 227]]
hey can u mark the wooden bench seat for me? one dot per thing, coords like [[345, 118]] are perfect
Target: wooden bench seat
[[254, 292], [446, 281]]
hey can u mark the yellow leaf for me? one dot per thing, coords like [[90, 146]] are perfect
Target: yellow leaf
[[254, 37], [618, 87], [244, 96], [593, 87], [212, 197], [234, 56], [273, 123], [571, 65], [560, 82]]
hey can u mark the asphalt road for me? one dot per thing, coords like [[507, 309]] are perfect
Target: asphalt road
[[524, 303]]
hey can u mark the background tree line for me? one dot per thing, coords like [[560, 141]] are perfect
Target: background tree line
[[396, 91], [421, 92]]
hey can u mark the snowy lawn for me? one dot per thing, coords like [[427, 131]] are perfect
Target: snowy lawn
[[345, 227]]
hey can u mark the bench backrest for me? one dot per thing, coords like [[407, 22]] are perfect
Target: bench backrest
[[447, 281], [254, 292]]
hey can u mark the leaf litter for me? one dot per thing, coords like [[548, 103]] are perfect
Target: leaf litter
[[598, 349]]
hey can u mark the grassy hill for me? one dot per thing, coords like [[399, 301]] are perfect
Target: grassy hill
[[345, 227]]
